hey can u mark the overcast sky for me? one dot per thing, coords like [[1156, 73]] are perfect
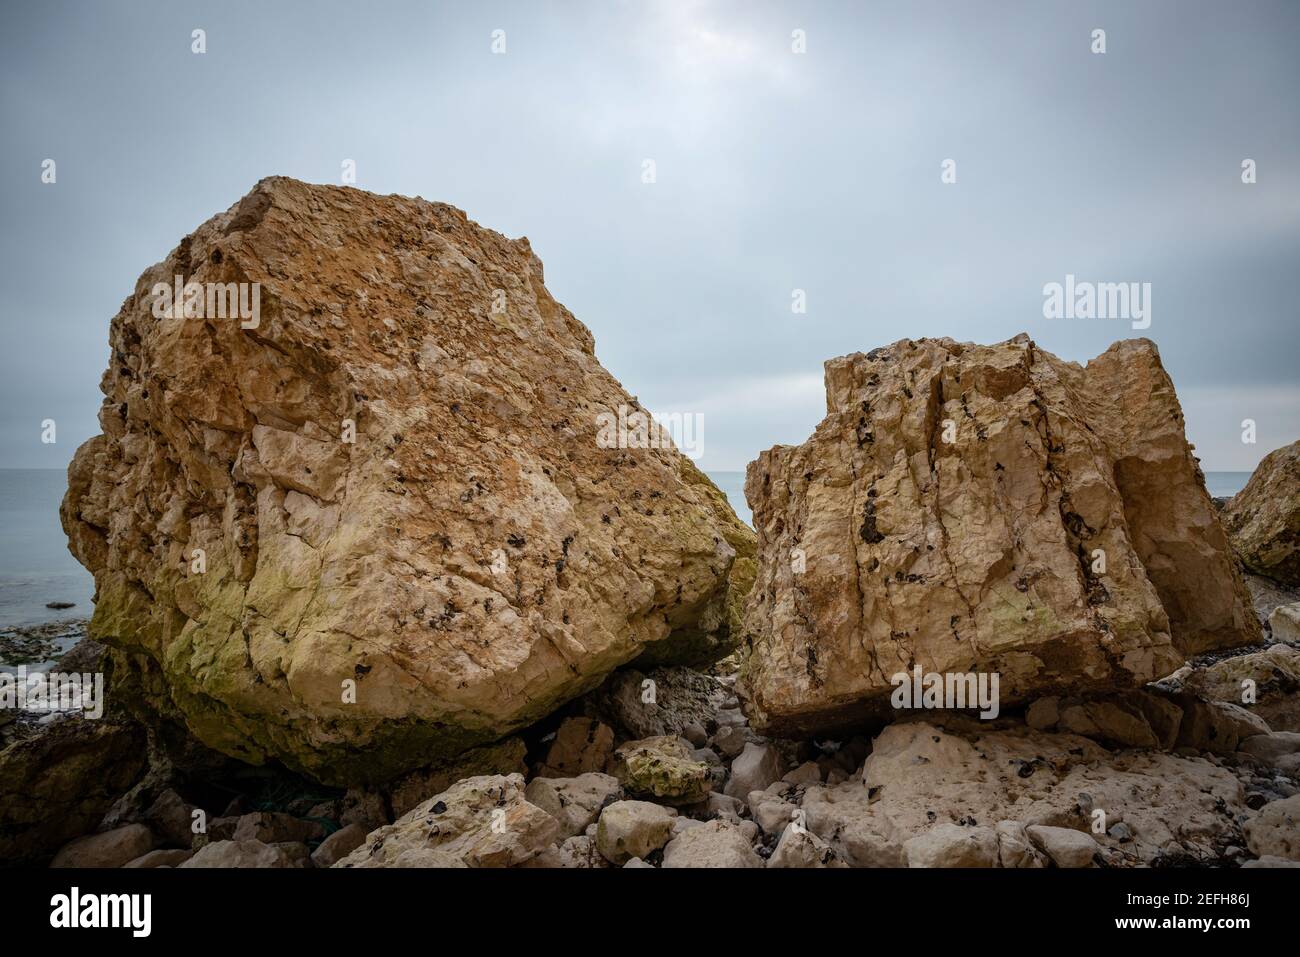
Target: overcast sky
[[776, 171]]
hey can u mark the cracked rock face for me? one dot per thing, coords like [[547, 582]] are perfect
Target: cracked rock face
[[392, 478], [1264, 517], [983, 508]]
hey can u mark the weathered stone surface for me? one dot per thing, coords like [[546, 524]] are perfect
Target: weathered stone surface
[[1280, 750], [482, 821], [580, 745], [1130, 719], [629, 829], [1064, 845], [272, 827], [657, 702], [1275, 830], [883, 545], [575, 803], [168, 857], [662, 768], [730, 740], [1108, 720], [773, 814], [574, 853], [367, 807], [110, 849], [1284, 622], [172, 818], [921, 774], [950, 845], [1263, 519], [1015, 848], [472, 560], [1274, 676], [57, 782], [501, 757], [809, 772], [757, 766], [338, 845], [1216, 726], [713, 844], [248, 854], [800, 848]]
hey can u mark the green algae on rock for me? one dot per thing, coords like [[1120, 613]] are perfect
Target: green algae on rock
[[969, 508], [373, 527]]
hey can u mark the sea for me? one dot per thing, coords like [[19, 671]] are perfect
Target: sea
[[36, 567]]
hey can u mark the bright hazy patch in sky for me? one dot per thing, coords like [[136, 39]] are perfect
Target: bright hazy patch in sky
[[774, 172]]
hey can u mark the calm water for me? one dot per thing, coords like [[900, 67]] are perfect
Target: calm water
[[35, 564], [36, 567]]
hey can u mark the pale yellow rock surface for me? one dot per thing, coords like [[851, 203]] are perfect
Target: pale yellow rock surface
[[1266, 683], [950, 513], [1263, 519], [921, 775], [481, 821], [1275, 830], [471, 560]]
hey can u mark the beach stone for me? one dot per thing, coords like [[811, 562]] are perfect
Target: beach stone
[[57, 783], [1263, 519], [581, 745], [575, 803], [250, 853], [1216, 726], [1065, 846], [421, 524], [367, 807], [807, 773], [408, 791], [774, 815], [949, 513], [949, 845], [338, 845], [921, 774], [800, 848], [1272, 675], [713, 844], [168, 857], [171, 817], [754, 769], [662, 768], [694, 732], [483, 821], [718, 803], [1015, 848], [658, 701], [574, 853], [1284, 622], [632, 829], [276, 828], [1275, 830], [110, 849], [1108, 720], [1043, 713], [730, 740], [1280, 750]]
